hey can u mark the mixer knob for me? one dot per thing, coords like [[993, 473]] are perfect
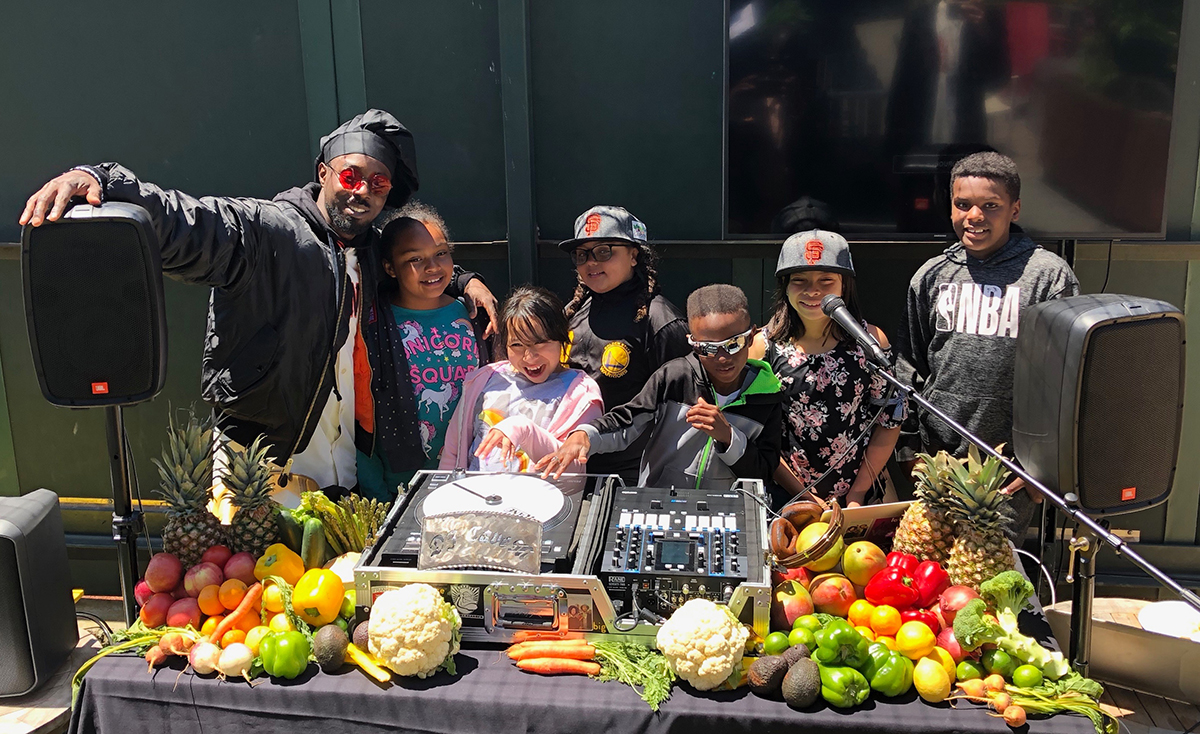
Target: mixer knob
[[727, 593], [701, 590], [684, 590]]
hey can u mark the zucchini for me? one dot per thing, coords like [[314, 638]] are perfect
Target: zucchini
[[314, 546], [291, 530]]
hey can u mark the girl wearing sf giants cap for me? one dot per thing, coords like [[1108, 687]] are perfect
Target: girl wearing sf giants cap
[[622, 328], [830, 397]]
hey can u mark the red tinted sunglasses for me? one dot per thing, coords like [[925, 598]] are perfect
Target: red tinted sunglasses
[[352, 179]]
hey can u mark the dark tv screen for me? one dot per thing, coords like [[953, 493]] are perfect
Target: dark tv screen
[[866, 106]]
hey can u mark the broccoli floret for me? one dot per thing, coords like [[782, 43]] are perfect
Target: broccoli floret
[[1008, 593], [973, 627]]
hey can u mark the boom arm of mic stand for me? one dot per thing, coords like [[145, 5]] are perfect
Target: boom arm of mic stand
[[1120, 546]]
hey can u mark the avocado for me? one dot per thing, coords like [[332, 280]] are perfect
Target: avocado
[[794, 653], [802, 684], [360, 636], [329, 647], [766, 674]]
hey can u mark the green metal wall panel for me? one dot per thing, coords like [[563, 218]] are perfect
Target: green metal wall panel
[[627, 105], [435, 65]]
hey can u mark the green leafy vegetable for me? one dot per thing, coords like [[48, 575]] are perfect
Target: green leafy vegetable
[[636, 665]]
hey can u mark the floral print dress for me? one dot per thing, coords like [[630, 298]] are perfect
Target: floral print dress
[[828, 399]]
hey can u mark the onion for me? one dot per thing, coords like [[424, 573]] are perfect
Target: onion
[[946, 641], [204, 657], [236, 660], [953, 599]]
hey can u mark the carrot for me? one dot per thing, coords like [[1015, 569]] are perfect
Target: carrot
[[542, 645], [246, 606], [553, 666], [564, 652]]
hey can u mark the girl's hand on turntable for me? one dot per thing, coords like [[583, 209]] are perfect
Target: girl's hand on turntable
[[575, 448], [495, 439]]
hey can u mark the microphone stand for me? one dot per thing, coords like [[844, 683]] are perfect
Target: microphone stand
[[1085, 545]]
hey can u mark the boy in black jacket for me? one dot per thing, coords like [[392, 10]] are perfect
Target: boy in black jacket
[[715, 415]]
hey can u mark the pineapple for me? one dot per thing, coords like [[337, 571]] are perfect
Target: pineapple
[[981, 549], [926, 531], [186, 471], [248, 480]]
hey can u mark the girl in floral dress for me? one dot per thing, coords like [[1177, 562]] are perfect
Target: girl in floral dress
[[830, 395]]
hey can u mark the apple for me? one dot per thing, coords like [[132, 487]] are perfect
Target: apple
[[217, 554], [179, 591], [201, 575], [833, 594], [142, 592], [789, 602], [801, 575], [809, 537], [163, 572], [154, 612], [861, 561], [240, 566], [183, 612]]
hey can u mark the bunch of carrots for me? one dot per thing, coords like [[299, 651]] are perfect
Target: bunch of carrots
[[554, 657]]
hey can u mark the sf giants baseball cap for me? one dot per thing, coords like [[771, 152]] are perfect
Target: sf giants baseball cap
[[606, 223], [816, 249]]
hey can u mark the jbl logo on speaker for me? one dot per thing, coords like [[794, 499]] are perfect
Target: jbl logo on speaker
[[1129, 494], [99, 388]]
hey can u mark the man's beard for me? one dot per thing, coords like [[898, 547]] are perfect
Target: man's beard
[[343, 224]]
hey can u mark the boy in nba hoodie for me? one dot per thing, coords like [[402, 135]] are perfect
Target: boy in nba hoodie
[[958, 335]]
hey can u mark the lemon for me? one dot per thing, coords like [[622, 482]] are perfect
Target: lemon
[[930, 680], [943, 658]]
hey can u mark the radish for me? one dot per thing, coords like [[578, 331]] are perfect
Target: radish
[[236, 660], [204, 657], [1014, 716], [155, 657]]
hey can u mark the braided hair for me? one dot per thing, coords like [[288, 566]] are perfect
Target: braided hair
[[645, 268]]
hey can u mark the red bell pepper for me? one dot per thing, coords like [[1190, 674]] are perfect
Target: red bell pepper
[[891, 586], [925, 616], [931, 580], [906, 561]]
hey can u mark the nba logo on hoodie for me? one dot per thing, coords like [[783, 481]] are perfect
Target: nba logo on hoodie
[[984, 310]]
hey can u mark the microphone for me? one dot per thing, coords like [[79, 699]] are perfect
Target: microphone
[[835, 308]]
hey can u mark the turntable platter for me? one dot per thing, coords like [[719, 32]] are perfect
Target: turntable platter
[[515, 493]]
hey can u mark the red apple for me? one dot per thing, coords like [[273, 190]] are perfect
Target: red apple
[[833, 594], [861, 561], [184, 612], [217, 554], [201, 575], [240, 566], [154, 612], [163, 572], [142, 592], [789, 602], [179, 591]]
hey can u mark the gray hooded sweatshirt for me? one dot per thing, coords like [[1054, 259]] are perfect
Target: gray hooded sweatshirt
[[958, 338]]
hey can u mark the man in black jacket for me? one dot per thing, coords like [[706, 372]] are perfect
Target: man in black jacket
[[284, 354]]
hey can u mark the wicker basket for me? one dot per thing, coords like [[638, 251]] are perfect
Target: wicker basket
[[833, 515]]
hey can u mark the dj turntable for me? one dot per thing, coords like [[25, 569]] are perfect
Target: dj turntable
[[441, 492]]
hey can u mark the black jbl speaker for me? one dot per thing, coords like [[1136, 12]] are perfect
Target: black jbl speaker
[[37, 613], [1098, 399], [94, 306]]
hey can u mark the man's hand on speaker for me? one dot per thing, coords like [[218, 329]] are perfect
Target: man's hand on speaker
[[1017, 485], [57, 194]]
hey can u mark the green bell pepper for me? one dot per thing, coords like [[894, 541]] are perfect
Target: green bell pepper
[[285, 654], [840, 644], [843, 687], [889, 673]]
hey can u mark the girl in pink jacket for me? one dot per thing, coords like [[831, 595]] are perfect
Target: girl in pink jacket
[[514, 412]]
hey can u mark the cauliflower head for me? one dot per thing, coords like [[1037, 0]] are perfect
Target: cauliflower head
[[703, 642], [414, 631]]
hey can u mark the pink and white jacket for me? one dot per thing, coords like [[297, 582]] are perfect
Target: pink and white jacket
[[580, 404]]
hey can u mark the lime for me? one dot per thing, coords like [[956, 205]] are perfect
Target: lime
[[808, 622], [801, 636], [775, 643], [999, 662], [1027, 676], [969, 669]]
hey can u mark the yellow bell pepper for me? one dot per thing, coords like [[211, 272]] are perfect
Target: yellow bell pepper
[[317, 598], [279, 560]]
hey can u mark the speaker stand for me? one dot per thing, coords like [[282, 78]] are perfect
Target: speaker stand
[[1092, 531], [1081, 574], [126, 522]]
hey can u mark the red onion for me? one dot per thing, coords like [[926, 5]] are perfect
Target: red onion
[[946, 641], [953, 599]]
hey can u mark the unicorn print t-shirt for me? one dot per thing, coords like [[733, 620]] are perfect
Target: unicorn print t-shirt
[[441, 351]]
